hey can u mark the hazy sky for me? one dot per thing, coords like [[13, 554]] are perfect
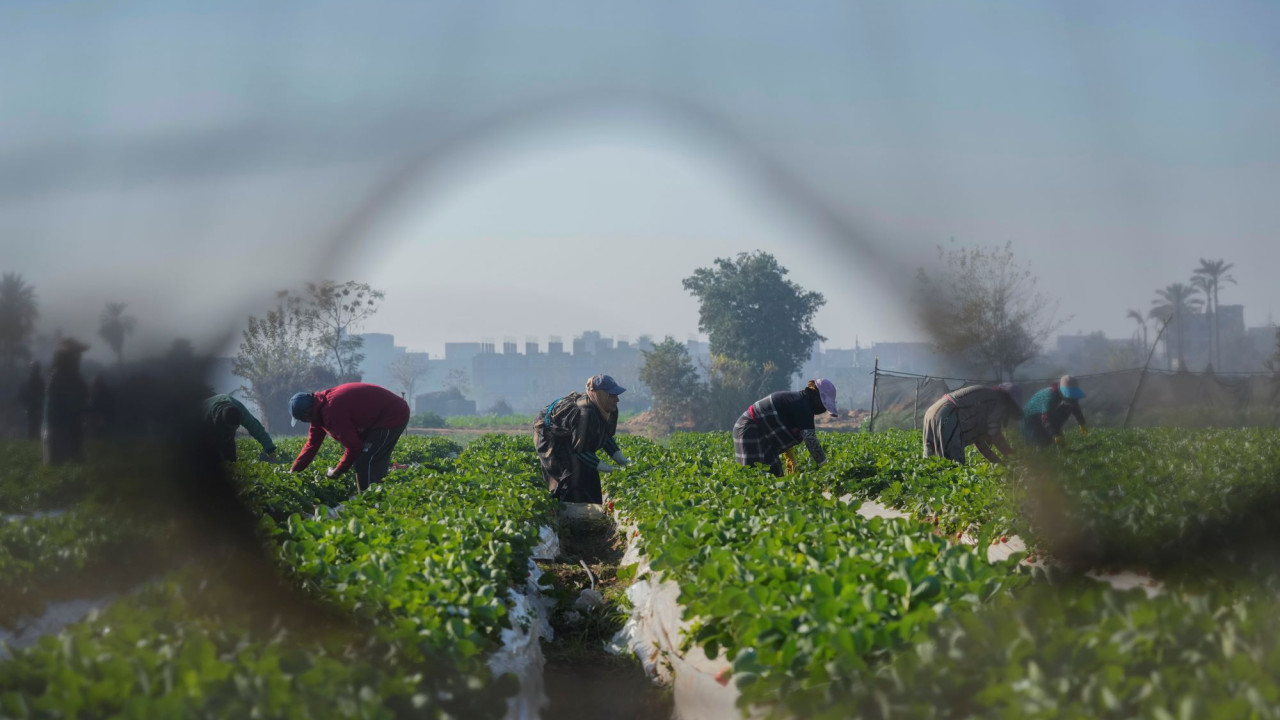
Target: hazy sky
[[190, 160]]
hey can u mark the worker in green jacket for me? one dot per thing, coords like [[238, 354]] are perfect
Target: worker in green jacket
[[223, 415]]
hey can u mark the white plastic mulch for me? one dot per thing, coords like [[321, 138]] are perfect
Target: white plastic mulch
[[521, 651]]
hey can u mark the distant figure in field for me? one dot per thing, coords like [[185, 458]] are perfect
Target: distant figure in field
[[779, 422], [31, 397], [223, 415], [64, 405], [100, 413], [1047, 412], [569, 432], [367, 420], [975, 415]]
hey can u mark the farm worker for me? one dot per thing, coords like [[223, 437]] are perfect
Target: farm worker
[[31, 397], [367, 420], [223, 415], [100, 412], [569, 432], [974, 415], [1048, 410], [64, 405], [781, 421]]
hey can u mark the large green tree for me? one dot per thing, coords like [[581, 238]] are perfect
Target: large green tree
[[754, 315], [982, 306], [18, 314], [672, 380]]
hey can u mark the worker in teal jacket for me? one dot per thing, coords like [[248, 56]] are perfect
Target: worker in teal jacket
[[1048, 410], [224, 415]]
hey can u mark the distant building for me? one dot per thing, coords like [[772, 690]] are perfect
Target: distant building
[[380, 350], [527, 382]]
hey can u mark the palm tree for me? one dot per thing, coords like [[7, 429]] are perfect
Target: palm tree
[[1214, 274], [114, 326], [1142, 322], [18, 315], [1201, 285], [1175, 301]]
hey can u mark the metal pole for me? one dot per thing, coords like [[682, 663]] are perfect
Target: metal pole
[[1143, 376], [875, 377], [915, 409]]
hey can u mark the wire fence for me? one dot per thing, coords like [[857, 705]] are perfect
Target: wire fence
[[1133, 397]]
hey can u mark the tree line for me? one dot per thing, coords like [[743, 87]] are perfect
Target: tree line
[[19, 311], [1176, 301]]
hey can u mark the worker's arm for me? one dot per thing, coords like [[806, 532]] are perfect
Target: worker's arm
[[580, 420], [985, 449], [315, 438], [250, 423], [998, 439], [815, 447], [1078, 413], [615, 452], [611, 446]]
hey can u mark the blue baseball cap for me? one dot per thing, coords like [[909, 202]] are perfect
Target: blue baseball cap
[[300, 406], [604, 383]]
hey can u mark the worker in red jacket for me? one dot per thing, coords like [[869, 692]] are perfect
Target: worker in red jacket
[[366, 419]]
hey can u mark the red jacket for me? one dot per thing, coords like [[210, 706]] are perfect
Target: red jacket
[[348, 412]]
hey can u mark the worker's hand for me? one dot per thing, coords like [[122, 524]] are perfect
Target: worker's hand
[[1084, 430], [620, 459], [1058, 440], [605, 467], [330, 473], [269, 456]]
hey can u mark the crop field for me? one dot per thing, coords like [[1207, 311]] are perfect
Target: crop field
[[401, 597]]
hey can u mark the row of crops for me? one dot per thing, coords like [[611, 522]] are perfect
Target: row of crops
[[396, 604], [825, 614], [393, 606]]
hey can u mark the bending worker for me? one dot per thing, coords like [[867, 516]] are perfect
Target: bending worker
[[569, 432], [223, 415], [64, 404], [781, 421], [1047, 412], [975, 415], [367, 420]]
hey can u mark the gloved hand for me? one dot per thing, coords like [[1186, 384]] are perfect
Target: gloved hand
[[1084, 430], [605, 467], [330, 473], [270, 457], [1058, 440], [621, 459]]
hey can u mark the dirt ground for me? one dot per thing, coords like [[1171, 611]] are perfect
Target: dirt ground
[[582, 680]]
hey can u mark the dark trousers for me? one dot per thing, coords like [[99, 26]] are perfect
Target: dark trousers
[[225, 442], [1034, 433], [374, 463]]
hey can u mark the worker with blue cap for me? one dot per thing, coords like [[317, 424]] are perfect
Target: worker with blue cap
[[1048, 410], [570, 431]]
